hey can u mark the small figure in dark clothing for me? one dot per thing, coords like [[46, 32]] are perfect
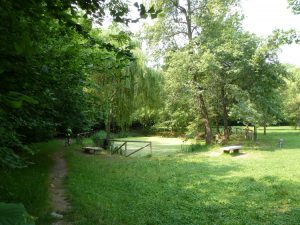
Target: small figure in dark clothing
[[106, 143], [68, 137]]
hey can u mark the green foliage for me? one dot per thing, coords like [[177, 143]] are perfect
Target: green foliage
[[8, 159], [295, 6], [291, 97], [29, 185], [98, 138], [10, 145], [49, 54], [191, 148], [122, 85], [14, 214], [208, 55]]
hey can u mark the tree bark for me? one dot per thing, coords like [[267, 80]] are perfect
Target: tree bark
[[265, 129], [217, 126], [189, 21], [225, 114], [108, 122], [204, 114], [255, 133], [199, 97]]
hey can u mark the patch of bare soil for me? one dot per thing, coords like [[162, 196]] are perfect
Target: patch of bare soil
[[59, 203]]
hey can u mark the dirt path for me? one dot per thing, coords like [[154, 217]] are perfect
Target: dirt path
[[59, 203]]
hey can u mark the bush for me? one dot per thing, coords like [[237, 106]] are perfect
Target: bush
[[194, 148], [11, 146], [98, 138], [14, 214]]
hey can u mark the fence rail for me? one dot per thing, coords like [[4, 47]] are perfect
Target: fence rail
[[125, 145]]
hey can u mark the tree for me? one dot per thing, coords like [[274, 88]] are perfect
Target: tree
[[45, 51], [122, 84], [295, 6], [261, 104], [224, 67], [183, 21], [219, 52], [291, 97]]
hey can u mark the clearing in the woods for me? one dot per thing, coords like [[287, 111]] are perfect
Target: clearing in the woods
[[176, 185]]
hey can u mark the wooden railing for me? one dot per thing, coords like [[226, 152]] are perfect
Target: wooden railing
[[125, 145]]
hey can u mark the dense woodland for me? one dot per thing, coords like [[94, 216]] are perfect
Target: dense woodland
[[61, 69]]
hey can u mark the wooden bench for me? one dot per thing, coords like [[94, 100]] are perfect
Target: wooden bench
[[229, 149], [91, 150]]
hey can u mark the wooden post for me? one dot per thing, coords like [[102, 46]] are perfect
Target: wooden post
[[280, 142], [151, 147], [125, 148]]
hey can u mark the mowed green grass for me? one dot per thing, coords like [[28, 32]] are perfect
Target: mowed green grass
[[259, 186]]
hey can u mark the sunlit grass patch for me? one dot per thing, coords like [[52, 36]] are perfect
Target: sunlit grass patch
[[258, 186]]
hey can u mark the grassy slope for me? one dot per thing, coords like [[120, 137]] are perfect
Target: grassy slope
[[30, 185], [259, 187]]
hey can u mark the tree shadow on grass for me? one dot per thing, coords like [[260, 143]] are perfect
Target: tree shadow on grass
[[146, 191], [268, 200], [236, 154], [175, 190], [213, 197]]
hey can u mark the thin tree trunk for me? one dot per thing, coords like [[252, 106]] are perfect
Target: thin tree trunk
[[199, 97], [217, 126], [225, 114], [204, 114], [255, 133], [108, 122], [265, 129], [189, 21]]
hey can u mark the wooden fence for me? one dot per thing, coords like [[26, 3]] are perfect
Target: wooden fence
[[123, 147]]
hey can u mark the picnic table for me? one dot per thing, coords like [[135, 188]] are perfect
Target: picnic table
[[234, 148]]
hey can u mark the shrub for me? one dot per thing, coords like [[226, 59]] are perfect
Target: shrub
[[14, 214], [98, 138], [193, 148]]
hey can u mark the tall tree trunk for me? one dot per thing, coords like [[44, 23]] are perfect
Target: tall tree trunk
[[217, 126], [255, 133], [108, 122], [204, 114], [188, 16], [265, 129], [225, 114], [199, 97]]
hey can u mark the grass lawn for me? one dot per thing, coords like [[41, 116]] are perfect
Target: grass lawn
[[29, 186], [259, 186]]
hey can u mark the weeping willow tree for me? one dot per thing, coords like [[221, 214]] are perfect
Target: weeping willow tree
[[123, 86]]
